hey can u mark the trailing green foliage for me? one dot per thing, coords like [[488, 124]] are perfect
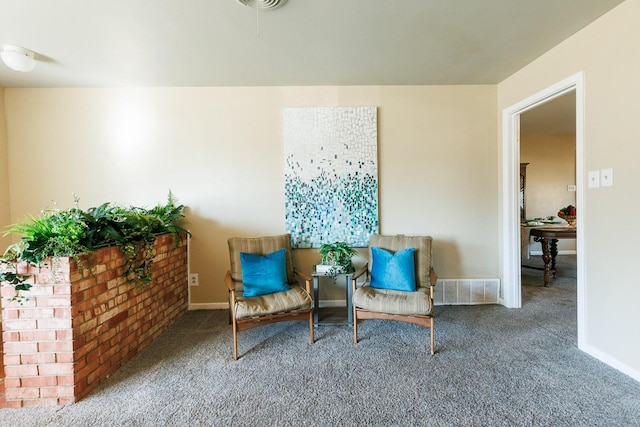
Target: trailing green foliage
[[338, 255], [75, 232], [9, 275]]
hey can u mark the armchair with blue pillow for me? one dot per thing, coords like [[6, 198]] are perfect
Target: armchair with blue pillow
[[263, 285], [398, 283]]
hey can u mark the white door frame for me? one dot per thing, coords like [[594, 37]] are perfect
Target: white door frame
[[510, 221]]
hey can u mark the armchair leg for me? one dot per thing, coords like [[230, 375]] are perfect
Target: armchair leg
[[433, 337], [235, 341], [355, 326], [311, 336]]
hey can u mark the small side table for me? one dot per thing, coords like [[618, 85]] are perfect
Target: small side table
[[316, 297]]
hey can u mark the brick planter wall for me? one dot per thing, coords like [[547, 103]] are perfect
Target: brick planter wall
[[78, 328]]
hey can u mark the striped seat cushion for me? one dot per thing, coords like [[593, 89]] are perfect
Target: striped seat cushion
[[294, 299], [393, 302]]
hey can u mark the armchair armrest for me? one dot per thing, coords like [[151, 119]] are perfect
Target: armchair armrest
[[354, 279], [303, 276], [231, 287], [433, 277], [360, 272], [306, 278], [229, 281]]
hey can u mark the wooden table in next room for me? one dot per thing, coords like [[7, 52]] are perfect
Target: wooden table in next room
[[548, 238]]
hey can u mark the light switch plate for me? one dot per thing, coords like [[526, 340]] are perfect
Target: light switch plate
[[606, 177], [571, 187], [594, 179]]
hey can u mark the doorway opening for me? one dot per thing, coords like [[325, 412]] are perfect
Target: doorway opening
[[510, 212]]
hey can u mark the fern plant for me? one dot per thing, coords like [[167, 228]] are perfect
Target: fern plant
[[76, 233]]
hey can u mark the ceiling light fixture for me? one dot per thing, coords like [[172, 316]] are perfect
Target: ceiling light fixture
[[263, 4], [18, 58]]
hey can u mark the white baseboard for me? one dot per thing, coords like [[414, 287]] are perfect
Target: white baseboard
[[332, 303], [611, 361], [559, 252], [209, 306]]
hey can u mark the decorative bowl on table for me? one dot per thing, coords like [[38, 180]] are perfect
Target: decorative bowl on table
[[571, 219]]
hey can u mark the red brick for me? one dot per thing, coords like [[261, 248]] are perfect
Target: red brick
[[8, 314], [64, 357], [12, 382], [115, 320], [46, 335], [54, 323], [62, 289], [65, 379], [38, 403], [13, 403], [19, 324], [35, 359], [56, 346], [51, 301], [39, 381], [8, 336], [130, 318], [21, 371], [54, 369], [63, 335], [20, 347], [11, 359], [35, 313], [62, 313], [22, 393], [59, 391]]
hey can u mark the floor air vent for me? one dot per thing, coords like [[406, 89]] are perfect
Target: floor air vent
[[467, 291]]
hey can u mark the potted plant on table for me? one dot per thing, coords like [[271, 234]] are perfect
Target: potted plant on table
[[336, 258]]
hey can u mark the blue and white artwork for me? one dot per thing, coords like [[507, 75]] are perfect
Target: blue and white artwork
[[331, 175]]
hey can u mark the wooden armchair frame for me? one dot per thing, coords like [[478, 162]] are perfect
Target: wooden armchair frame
[[240, 325], [363, 314]]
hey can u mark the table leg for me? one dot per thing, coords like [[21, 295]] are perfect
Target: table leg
[[546, 257], [349, 296], [316, 299], [554, 252]]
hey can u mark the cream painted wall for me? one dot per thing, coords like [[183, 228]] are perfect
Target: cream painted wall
[[552, 166], [606, 51], [5, 217], [220, 151]]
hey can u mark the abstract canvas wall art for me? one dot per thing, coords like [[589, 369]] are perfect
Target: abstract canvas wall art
[[331, 175]]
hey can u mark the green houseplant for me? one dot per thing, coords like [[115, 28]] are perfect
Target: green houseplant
[[77, 233], [338, 256]]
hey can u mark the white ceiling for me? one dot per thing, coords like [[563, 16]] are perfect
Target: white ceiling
[[305, 42]]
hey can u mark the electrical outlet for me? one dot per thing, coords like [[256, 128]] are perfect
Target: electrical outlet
[[193, 279]]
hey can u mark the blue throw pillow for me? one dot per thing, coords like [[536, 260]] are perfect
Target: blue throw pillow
[[394, 271], [264, 274]]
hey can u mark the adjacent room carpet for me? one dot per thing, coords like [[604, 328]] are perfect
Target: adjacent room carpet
[[494, 366]]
